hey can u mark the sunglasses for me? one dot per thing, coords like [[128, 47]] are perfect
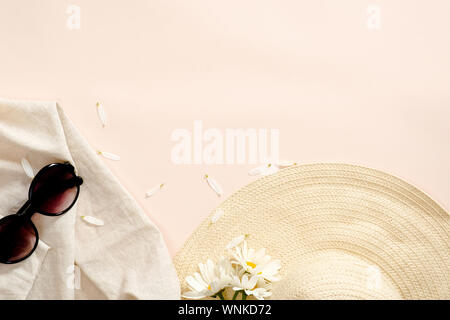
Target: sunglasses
[[53, 191]]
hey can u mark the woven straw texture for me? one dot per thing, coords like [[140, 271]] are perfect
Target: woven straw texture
[[341, 232]]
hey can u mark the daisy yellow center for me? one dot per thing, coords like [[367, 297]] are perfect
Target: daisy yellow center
[[209, 287], [251, 264]]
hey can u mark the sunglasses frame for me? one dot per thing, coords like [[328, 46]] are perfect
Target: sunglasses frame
[[13, 216], [35, 180], [28, 210]]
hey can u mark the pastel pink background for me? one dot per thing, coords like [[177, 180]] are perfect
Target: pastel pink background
[[337, 91]]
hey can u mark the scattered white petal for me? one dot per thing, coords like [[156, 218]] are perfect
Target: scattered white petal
[[109, 155], [93, 221], [271, 169], [286, 163], [154, 190], [258, 170], [101, 114], [217, 215], [214, 185], [27, 168], [236, 241], [264, 170]]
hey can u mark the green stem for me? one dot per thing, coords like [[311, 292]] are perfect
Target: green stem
[[220, 295], [244, 295], [235, 295]]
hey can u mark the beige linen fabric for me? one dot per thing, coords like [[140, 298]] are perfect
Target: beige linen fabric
[[124, 259]]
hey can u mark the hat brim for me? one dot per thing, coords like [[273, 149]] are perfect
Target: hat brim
[[328, 223]]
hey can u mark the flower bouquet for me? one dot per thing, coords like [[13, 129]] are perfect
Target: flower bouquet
[[243, 272]]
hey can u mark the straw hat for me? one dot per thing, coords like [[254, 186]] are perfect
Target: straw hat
[[340, 231]]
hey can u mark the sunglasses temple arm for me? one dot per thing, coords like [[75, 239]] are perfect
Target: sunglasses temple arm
[[25, 209]]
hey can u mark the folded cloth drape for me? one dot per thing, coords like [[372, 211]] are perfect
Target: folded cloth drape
[[124, 259]]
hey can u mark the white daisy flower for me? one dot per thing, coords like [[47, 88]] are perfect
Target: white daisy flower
[[250, 273], [257, 262], [252, 286], [259, 293], [212, 279], [269, 271], [244, 282], [225, 270]]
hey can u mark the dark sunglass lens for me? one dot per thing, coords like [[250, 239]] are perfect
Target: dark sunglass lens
[[17, 238], [55, 189]]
